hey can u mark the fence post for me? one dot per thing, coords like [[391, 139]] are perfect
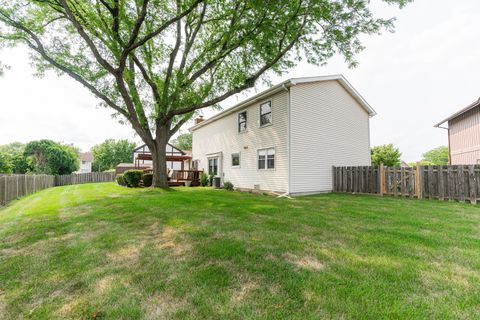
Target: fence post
[[334, 187], [472, 184], [381, 175], [419, 181]]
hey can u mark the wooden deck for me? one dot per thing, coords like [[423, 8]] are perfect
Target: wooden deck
[[179, 177]]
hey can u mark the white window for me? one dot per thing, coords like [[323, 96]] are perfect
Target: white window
[[265, 113], [266, 159], [242, 121], [213, 166], [235, 159]]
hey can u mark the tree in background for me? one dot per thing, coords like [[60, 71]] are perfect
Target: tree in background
[[437, 157], [5, 164], [18, 161], [108, 154], [387, 154], [156, 62], [49, 157], [183, 141]]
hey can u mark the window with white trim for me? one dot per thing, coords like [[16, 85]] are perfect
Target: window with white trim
[[266, 159], [242, 121], [265, 113], [235, 159]]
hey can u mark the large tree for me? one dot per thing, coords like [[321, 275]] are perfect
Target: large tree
[[15, 152], [108, 154], [386, 154], [49, 157], [183, 141], [156, 62], [438, 156]]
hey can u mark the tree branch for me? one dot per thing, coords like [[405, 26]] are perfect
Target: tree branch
[[160, 29], [86, 38]]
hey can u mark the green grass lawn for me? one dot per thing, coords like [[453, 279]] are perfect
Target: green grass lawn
[[99, 250]]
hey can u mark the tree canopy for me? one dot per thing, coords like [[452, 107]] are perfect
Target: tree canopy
[[386, 154], [49, 157], [5, 164], [183, 141], [156, 62], [14, 153], [437, 157], [108, 154]]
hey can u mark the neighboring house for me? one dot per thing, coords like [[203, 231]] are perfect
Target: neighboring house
[[86, 161], [287, 138], [464, 135]]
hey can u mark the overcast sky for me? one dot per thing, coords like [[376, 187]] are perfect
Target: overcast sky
[[415, 77]]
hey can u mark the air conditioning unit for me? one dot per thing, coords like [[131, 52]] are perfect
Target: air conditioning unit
[[256, 187]]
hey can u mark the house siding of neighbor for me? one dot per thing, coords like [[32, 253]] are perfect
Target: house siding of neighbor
[[86, 161], [464, 135], [315, 123]]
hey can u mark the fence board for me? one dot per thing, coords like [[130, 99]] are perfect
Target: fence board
[[18, 185], [459, 183]]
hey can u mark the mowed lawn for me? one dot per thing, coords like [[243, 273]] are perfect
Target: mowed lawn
[[99, 251]]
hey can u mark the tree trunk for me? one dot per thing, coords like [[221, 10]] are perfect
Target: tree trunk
[[159, 160]]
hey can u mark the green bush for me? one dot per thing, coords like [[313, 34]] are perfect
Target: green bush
[[147, 180], [210, 180], [227, 185], [133, 178], [203, 179], [121, 180]]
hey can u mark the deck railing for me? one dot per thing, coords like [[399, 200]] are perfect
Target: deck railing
[[187, 175]]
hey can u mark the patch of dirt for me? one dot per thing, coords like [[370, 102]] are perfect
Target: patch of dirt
[[245, 289], [171, 239], [129, 254], [104, 284], [67, 308], [307, 262], [81, 210], [163, 306]]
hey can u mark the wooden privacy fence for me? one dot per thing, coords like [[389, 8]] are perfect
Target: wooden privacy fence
[[13, 186], [460, 183], [92, 177]]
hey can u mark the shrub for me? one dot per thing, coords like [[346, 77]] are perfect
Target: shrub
[[133, 178], [147, 180], [121, 180], [210, 180], [227, 185], [203, 179]]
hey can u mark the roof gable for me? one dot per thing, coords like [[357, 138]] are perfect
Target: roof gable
[[283, 86], [459, 113]]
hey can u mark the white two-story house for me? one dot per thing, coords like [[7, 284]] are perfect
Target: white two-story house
[[287, 138]]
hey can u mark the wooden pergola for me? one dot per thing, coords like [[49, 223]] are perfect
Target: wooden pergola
[[172, 158]]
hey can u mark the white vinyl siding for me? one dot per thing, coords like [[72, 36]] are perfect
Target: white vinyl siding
[[328, 127], [222, 137]]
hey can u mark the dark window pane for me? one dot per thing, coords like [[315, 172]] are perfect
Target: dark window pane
[[271, 162], [242, 117], [265, 119], [235, 159], [242, 121], [261, 162], [265, 108]]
